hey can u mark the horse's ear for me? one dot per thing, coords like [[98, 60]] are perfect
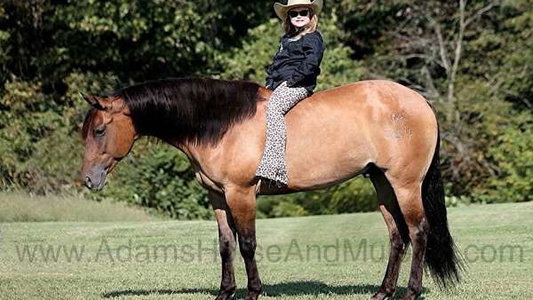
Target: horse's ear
[[111, 104], [93, 101]]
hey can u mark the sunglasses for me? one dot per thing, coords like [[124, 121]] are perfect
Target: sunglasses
[[303, 13]]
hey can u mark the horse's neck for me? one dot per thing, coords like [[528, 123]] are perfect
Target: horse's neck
[[203, 156]]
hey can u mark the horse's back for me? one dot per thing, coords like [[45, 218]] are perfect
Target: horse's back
[[373, 94]]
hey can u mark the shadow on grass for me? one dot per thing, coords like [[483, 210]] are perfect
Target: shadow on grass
[[297, 288]]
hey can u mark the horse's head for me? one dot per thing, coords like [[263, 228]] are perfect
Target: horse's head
[[109, 135]]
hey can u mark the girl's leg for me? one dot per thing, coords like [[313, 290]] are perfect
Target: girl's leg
[[272, 165]]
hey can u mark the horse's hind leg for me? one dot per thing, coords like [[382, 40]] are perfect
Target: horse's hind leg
[[409, 195], [226, 239], [394, 220]]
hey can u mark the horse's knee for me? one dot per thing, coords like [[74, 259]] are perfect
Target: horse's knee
[[397, 243], [226, 245], [247, 246]]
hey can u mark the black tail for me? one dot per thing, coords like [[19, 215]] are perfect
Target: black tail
[[442, 257]]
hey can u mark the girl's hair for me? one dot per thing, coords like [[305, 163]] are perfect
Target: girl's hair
[[295, 33]]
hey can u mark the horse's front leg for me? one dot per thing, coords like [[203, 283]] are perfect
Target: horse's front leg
[[226, 238], [241, 202]]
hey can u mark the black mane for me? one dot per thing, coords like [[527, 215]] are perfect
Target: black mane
[[197, 110]]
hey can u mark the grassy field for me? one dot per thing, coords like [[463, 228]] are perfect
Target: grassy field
[[322, 257], [22, 208]]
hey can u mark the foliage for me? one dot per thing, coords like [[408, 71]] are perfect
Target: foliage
[[513, 155]]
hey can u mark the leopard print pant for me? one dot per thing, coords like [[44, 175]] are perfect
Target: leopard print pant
[[272, 165]]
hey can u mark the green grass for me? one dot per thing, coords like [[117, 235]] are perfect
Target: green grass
[[22, 208], [114, 275]]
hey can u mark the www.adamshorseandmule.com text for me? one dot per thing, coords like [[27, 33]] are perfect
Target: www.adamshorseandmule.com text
[[205, 251]]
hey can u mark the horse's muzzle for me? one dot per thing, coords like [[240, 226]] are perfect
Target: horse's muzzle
[[95, 178]]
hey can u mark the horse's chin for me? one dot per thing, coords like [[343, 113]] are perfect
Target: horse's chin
[[100, 186]]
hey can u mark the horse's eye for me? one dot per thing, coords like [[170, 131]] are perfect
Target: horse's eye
[[99, 131]]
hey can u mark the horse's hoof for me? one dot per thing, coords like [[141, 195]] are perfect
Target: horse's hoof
[[226, 295], [411, 296], [252, 295], [381, 296]]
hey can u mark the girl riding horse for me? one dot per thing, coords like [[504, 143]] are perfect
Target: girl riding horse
[[292, 76]]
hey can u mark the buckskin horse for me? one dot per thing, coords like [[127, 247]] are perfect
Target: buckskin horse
[[380, 128]]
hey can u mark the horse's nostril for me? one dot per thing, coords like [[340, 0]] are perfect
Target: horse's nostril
[[88, 182]]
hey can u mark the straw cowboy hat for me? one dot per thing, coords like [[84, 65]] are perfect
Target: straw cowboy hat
[[282, 10]]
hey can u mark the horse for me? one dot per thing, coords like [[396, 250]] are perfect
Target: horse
[[378, 128]]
